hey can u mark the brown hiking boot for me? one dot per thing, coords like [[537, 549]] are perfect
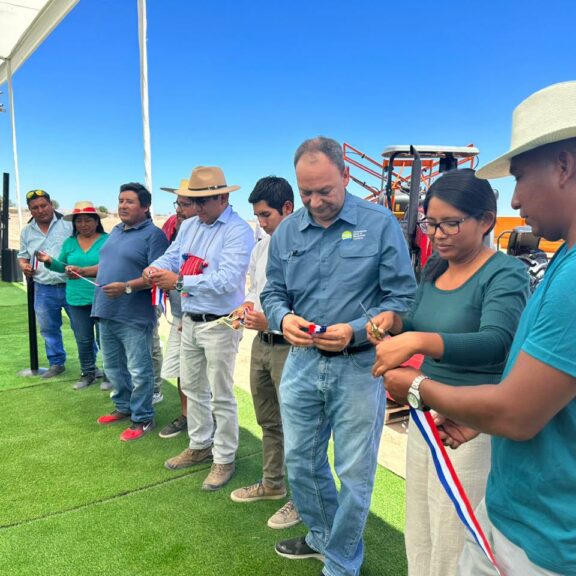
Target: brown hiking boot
[[189, 457], [219, 475], [258, 491]]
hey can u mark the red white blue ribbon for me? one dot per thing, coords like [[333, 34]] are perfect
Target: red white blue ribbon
[[159, 298], [450, 481]]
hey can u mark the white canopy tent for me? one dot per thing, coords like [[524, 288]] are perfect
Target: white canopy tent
[[24, 25]]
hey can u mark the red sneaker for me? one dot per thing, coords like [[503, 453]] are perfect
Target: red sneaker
[[137, 430], [112, 417]]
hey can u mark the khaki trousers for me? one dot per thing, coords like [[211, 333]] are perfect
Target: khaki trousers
[[266, 365]]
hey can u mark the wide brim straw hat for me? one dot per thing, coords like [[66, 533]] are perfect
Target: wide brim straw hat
[[84, 207], [545, 117], [182, 190], [207, 181]]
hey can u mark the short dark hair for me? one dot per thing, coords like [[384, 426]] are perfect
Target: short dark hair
[[144, 196], [274, 190], [327, 146], [99, 227]]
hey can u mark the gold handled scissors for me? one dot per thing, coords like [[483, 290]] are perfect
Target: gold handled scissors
[[373, 328]]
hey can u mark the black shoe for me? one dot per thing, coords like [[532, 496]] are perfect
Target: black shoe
[[297, 549], [174, 428], [85, 381], [53, 371]]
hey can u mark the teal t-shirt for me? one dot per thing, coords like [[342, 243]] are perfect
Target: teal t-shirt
[[79, 292], [476, 321], [531, 492]]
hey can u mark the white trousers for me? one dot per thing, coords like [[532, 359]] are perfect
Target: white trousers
[[206, 377], [512, 560], [434, 534]]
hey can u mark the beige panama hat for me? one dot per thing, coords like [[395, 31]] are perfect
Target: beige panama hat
[[546, 116], [207, 181], [84, 207], [181, 191]]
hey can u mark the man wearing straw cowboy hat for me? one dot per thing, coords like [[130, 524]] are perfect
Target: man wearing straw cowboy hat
[[185, 208], [529, 514], [207, 263], [46, 231]]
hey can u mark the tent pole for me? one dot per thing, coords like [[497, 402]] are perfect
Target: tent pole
[[142, 42], [14, 143]]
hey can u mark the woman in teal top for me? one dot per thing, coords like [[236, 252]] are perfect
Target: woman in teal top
[[79, 258], [463, 321]]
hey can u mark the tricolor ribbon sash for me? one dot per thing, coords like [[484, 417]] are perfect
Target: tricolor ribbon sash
[[450, 481], [159, 298]]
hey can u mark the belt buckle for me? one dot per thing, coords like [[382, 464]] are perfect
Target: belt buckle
[[267, 337]]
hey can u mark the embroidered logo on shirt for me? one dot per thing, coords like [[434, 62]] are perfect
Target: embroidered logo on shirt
[[359, 234], [346, 235]]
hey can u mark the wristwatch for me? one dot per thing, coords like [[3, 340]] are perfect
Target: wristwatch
[[179, 286], [128, 288], [413, 396]]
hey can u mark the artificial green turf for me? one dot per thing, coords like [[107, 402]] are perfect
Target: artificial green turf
[[75, 500]]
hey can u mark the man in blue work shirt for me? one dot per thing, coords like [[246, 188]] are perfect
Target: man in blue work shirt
[[335, 253], [123, 305], [46, 232], [208, 262]]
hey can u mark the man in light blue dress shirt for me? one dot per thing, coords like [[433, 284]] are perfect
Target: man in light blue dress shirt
[[46, 232], [208, 263], [332, 255]]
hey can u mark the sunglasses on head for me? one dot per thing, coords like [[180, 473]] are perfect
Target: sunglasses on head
[[37, 194]]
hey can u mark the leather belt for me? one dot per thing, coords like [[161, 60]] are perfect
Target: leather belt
[[202, 317], [346, 351], [271, 338]]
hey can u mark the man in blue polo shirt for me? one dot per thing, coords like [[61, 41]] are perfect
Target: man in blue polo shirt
[[324, 262], [529, 514], [46, 232], [123, 305]]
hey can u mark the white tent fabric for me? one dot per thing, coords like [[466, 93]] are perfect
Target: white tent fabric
[[24, 25]]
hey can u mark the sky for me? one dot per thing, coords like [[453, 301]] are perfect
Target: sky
[[240, 84]]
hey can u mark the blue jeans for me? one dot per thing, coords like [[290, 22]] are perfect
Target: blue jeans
[[320, 396], [86, 334], [48, 303], [127, 357]]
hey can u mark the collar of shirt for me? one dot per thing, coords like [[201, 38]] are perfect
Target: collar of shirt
[[122, 226], [34, 224], [224, 217], [348, 213]]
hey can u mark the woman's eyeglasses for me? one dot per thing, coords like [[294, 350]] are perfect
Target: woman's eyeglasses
[[447, 227]]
